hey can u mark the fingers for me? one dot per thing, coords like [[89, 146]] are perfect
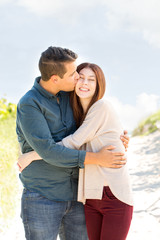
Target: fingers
[[19, 166], [119, 163], [118, 153], [117, 166], [120, 160], [110, 147], [125, 144], [125, 132], [125, 139]]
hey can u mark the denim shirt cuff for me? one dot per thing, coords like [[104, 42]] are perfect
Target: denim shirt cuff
[[82, 155]]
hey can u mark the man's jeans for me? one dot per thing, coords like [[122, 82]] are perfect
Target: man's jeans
[[44, 219]]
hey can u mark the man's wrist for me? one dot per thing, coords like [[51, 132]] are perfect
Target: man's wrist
[[91, 158]]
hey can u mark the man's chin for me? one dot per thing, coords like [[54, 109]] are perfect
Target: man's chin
[[69, 90]]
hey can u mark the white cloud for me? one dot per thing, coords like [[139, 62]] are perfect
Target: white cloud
[[131, 115], [42, 7], [139, 15], [62, 9], [142, 16], [4, 2]]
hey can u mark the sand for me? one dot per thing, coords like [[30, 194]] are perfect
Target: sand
[[144, 165]]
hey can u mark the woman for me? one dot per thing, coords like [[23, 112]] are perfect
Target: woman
[[105, 192]]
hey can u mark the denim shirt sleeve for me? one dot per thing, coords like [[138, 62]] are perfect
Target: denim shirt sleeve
[[37, 133]]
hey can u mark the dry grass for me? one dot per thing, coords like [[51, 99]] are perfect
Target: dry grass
[[9, 185]]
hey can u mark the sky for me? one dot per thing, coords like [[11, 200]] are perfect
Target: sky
[[121, 36]]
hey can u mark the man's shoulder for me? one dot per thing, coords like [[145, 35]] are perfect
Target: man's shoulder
[[28, 98]]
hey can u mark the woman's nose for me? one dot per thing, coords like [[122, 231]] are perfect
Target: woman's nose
[[85, 81]]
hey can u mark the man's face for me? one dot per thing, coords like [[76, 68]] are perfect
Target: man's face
[[70, 78]]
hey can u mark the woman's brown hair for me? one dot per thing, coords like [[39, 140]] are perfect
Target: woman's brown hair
[[79, 114]]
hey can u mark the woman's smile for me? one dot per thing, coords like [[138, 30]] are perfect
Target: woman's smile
[[84, 89]]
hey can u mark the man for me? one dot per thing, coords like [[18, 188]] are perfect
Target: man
[[44, 117]]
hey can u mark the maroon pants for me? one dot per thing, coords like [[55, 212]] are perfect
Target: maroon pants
[[107, 219]]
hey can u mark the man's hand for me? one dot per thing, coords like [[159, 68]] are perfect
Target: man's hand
[[125, 139], [111, 159], [106, 158]]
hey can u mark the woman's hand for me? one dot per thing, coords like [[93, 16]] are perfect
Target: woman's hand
[[125, 139], [25, 159]]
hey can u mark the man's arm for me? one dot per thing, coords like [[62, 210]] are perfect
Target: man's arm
[[36, 132], [104, 158]]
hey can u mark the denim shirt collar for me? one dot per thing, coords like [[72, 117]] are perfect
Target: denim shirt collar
[[43, 91]]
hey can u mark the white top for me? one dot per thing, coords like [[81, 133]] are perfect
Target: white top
[[100, 128]]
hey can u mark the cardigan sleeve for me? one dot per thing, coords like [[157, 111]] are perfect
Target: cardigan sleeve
[[96, 117]]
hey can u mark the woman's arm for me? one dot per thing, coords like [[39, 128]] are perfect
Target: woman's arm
[[95, 119], [27, 158]]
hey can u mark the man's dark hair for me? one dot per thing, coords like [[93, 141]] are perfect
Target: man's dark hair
[[52, 62]]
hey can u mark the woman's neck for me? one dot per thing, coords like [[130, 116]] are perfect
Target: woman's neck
[[85, 103]]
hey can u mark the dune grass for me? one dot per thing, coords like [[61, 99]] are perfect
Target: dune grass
[[149, 125], [9, 185]]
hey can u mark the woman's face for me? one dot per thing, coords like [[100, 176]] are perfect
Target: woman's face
[[86, 85]]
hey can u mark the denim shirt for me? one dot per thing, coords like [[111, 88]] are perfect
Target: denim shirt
[[41, 122]]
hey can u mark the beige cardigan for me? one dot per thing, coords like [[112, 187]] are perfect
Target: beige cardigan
[[101, 127]]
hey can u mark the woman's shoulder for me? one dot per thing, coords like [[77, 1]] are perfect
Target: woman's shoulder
[[101, 105]]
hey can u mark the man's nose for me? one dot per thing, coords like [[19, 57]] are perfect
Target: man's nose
[[76, 76]]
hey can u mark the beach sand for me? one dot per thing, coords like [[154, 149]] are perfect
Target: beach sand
[[144, 166]]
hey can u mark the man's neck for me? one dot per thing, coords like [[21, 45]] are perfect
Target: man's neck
[[48, 87]]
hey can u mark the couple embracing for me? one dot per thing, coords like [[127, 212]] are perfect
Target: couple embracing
[[73, 167]]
